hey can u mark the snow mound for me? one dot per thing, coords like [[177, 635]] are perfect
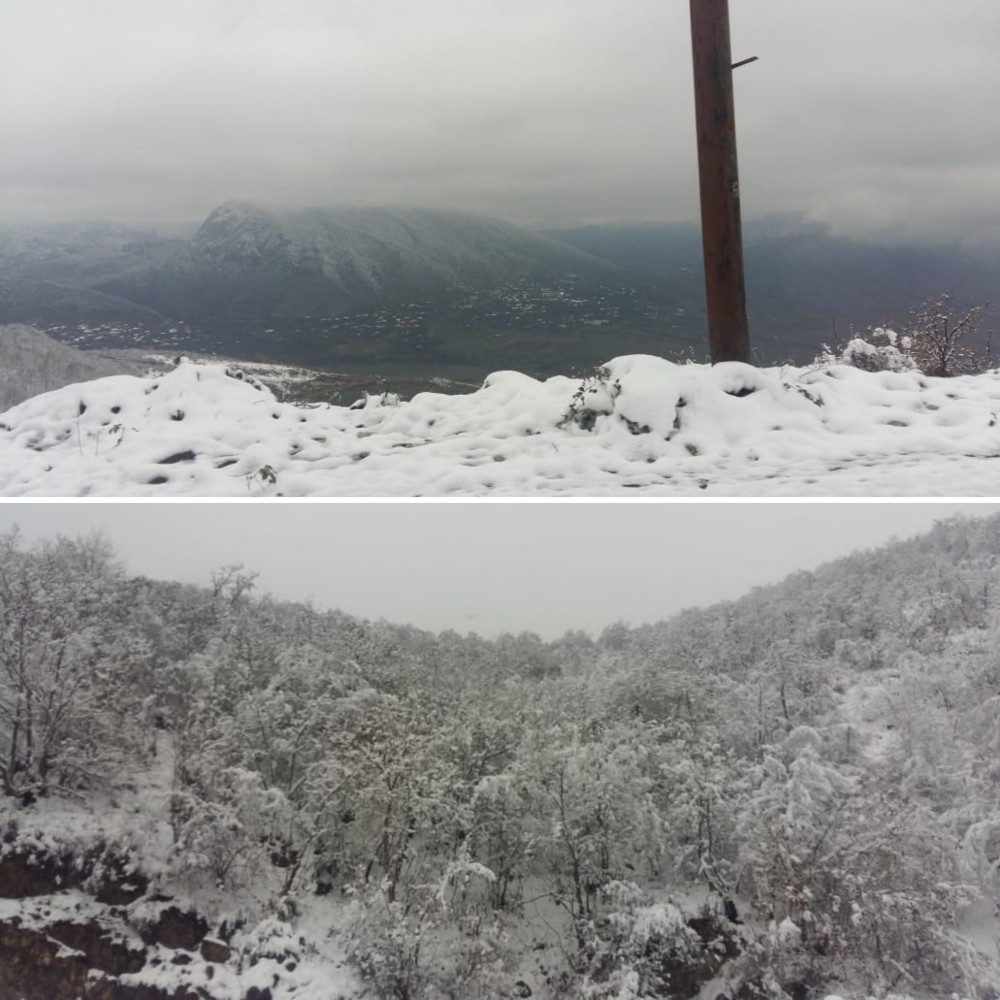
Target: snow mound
[[639, 425]]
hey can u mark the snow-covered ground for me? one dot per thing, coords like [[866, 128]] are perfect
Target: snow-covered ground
[[641, 427]]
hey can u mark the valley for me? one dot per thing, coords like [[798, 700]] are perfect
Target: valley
[[541, 329], [414, 295], [226, 796]]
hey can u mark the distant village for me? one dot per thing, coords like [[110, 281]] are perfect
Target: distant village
[[408, 329]]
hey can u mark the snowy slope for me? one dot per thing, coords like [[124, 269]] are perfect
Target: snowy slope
[[248, 260], [836, 733], [642, 427]]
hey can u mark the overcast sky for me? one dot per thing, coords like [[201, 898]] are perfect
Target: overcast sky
[[487, 568], [876, 117]]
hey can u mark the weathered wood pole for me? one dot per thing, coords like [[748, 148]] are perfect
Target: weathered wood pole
[[721, 232]]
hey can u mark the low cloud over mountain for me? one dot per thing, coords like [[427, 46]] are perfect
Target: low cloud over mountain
[[249, 261]]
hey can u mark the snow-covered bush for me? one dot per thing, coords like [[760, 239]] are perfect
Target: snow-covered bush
[[640, 949], [414, 952], [225, 824], [464, 891], [270, 940], [385, 943], [594, 397], [980, 860], [934, 340], [879, 349], [862, 878]]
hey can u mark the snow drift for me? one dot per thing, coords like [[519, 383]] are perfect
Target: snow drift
[[638, 426]]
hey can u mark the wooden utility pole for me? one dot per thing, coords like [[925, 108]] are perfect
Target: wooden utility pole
[[721, 232]]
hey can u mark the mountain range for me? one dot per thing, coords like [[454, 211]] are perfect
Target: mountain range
[[245, 261], [249, 271]]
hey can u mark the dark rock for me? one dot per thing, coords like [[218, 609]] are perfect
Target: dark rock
[[176, 928], [256, 993], [121, 893], [215, 951], [101, 949], [18, 880], [806, 988], [178, 456], [37, 875], [33, 964], [522, 989]]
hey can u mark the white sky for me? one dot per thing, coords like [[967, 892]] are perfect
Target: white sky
[[877, 117], [489, 567]]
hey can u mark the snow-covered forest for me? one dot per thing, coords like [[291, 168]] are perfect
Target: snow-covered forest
[[791, 795]]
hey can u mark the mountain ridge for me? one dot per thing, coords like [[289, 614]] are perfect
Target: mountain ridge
[[363, 286], [249, 260]]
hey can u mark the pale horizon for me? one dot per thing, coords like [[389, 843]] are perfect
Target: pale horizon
[[489, 568]]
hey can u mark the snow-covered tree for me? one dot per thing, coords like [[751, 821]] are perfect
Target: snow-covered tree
[[67, 710], [940, 330]]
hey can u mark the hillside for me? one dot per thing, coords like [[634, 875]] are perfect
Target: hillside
[[791, 796], [50, 305], [639, 426], [431, 294], [249, 262], [32, 363]]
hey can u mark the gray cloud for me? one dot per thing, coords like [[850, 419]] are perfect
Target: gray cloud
[[875, 118]]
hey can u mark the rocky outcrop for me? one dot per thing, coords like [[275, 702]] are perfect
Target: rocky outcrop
[[20, 878], [27, 872], [176, 928], [97, 947], [71, 928], [35, 964], [103, 950]]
